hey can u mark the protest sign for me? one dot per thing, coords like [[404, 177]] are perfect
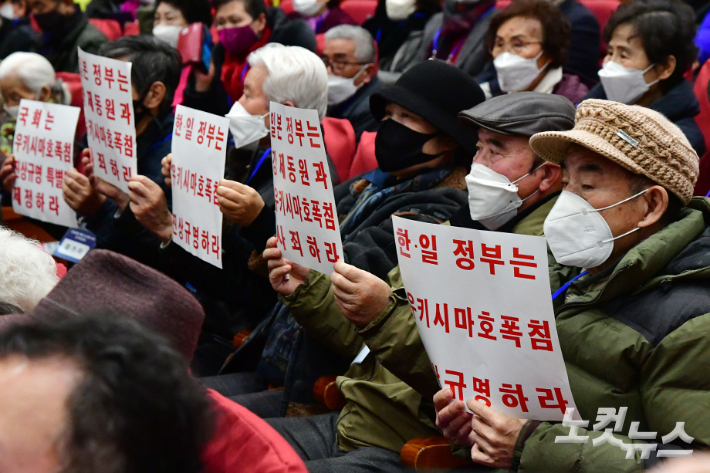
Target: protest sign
[[43, 148], [306, 220], [199, 150], [482, 305], [110, 121]]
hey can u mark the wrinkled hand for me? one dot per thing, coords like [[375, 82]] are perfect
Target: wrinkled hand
[[7, 173], [101, 186], [452, 418], [493, 435], [359, 294], [80, 194], [149, 205], [238, 202], [279, 267], [167, 162]]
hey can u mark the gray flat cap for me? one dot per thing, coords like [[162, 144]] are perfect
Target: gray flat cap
[[521, 114]]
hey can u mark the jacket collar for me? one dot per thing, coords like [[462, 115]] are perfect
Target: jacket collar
[[648, 262]]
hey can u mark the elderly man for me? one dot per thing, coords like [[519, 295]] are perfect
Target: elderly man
[[364, 304], [632, 296], [504, 127], [246, 198], [80, 394], [351, 58]]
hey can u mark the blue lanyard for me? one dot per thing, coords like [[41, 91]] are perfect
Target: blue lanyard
[[258, 164], [155, 145], [245, 69], [567, 285], [708, 194]]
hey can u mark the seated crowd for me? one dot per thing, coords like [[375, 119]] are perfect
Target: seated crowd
[[527, 117]]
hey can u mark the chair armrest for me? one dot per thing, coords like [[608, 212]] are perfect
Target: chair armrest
[[326, 392], [429, 453], [240, 338]]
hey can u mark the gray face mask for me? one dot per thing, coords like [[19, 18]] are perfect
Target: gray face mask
[[12, 112]]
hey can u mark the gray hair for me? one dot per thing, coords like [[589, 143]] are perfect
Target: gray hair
[[36, 72], [364, 44], [295, 75], [27, 272]]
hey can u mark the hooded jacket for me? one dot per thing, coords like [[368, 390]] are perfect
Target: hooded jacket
[[679, 105], [62, 51], [634, 336], [382, 410]]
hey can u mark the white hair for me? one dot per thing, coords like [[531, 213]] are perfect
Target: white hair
[[27, 272], [36, 72], [295, 75], [364, 44]]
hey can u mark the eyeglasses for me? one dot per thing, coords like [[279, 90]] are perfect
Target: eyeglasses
[[337, 65], [517, 46]]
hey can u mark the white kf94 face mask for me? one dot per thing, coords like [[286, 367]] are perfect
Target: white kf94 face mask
[[577, 233], [245, 127], [168, 33], [624, 84], [515, 73], [492, 199], [341, 89], [398, 10], [307, 8]]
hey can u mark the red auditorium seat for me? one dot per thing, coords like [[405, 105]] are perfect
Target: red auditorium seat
[[340, 143], [110, 28], [359, 10], [364, 159]]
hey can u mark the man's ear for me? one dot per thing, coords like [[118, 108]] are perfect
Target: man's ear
[[368, 74], [154, 97], [552, 179], [656, 203], [288, 103], [45, 93], [259, 25]]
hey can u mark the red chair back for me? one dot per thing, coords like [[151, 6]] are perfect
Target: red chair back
[[73, 83], [287, 6], [110, 28], [132, 29], [701, 92], [340, 143], [359, 10], [364, 160]]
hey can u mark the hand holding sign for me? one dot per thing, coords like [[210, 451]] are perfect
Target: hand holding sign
[[101, 186], [80, 194], [359, 294], [452, 419], [284, 275], [149, 205], [166, 162], [238, 202], [493, 435], [7, 173]]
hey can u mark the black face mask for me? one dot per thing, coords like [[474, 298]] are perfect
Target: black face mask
[[398, 147], [50, 22]]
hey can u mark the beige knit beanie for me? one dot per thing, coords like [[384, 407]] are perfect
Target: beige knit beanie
[[637, 138]]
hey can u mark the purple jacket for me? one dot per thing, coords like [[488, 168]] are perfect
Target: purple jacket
[[571, 87], [335, 17]]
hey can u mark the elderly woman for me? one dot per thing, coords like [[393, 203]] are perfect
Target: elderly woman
[[243, 26], [650, 47], [528, 42], [171, 16], [25, 76]]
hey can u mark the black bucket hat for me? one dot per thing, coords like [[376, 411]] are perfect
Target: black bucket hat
[[437, 92]]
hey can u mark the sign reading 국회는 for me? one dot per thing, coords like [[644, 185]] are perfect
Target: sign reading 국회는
[[43, 149], [482, 304]]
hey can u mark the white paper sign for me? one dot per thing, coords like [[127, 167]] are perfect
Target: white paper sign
[[110, 119], [43, 148], [483, 308], [199, 150], [306, 219]]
